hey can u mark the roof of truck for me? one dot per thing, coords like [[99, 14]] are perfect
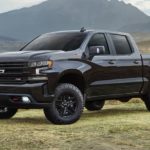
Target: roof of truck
[[90, 31]]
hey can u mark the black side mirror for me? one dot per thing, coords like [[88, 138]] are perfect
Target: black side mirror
[[96, 50]]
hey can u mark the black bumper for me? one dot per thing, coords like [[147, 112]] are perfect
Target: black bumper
[[11, 95]]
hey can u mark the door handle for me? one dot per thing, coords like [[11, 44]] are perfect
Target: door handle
[[111, 62], [136, 62]]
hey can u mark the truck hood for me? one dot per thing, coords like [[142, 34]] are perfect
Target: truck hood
[[24, 56]]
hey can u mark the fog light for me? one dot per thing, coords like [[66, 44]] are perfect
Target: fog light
[[26, 100]]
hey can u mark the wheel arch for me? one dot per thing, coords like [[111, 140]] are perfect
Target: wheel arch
[[74, 77]]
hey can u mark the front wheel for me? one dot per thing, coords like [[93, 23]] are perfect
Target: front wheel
[[67, 106], [7, 113]]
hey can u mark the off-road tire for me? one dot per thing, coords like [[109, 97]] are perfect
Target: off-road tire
[[67, 105], [7, 112], [146, 100]]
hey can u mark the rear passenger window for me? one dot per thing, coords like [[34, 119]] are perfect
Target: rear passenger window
[[99, 40], [121, 44]]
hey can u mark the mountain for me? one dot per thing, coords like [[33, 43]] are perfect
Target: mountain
[[55, 15], [4, 38], [144, 27], [10, 44]]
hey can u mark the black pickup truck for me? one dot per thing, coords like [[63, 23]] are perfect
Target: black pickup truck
[[62, 72]]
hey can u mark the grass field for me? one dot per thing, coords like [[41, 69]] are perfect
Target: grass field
[[143, 42], [117, 127]]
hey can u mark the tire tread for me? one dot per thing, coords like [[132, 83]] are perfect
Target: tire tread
[[49, 112]]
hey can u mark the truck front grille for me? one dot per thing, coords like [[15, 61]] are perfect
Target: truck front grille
[[13, 64], [13, 72]]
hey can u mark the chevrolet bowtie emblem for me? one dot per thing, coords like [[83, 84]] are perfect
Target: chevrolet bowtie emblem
[[2, 71]]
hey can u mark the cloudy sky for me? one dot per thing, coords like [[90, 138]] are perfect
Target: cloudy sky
[[6, 5], [144, 5]]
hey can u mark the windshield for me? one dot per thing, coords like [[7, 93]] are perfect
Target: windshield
[[57, 41]]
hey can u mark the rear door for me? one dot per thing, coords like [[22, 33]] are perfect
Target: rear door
[[127, 66]]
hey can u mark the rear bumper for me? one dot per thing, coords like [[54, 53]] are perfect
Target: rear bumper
[[11, 95]]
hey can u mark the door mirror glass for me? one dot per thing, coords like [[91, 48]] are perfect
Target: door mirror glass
[[97, 50]]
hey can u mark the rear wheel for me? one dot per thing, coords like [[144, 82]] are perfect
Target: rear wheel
[[146, 100], [94, 105], [67, 106], [124, 100], [7, 112]]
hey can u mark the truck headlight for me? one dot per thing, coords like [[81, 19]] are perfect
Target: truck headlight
[[48, 64], [41, 63], [32, 64]]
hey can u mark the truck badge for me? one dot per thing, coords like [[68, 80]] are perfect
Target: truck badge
[[2, 71]]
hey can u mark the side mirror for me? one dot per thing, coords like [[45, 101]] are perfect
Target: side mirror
[[96, 50]]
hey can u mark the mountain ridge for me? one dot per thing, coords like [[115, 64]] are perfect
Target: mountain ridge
[[4, 38], [48, 16]]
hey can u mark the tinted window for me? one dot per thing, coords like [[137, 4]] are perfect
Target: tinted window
[[99, 40], [57, 41], [121, 44]]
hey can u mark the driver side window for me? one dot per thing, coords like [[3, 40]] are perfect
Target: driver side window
[[99, 40]]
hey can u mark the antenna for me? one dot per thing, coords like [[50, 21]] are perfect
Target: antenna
[[82, 29]]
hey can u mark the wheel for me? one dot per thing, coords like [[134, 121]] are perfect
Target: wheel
[[7, 113], [146, 100], [67, 106], [94, 105]]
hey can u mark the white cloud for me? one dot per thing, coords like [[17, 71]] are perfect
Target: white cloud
[[144, 5]]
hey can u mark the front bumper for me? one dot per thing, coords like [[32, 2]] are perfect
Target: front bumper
[[11, 94]]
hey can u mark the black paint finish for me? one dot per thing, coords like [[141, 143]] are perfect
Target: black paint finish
[[100, 77]]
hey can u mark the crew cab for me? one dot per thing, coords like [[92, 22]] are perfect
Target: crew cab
[[63, 72]]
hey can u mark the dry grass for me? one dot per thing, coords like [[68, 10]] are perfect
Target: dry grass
[[118, 127], [143, 42], [144, 47]]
